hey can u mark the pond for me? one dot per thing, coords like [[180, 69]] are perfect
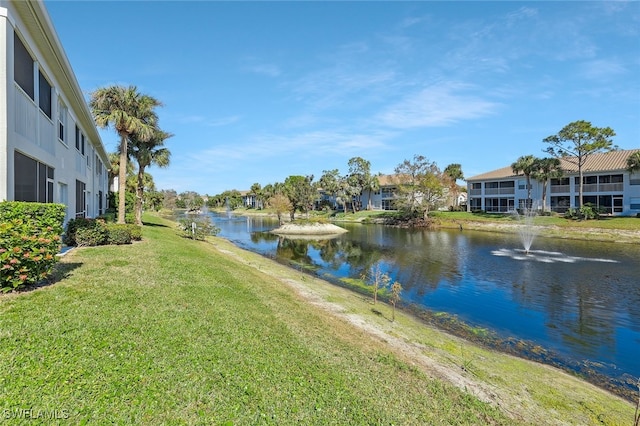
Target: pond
[[574, 304]]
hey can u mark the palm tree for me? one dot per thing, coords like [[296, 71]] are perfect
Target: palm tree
[[546, 169], [454, 172], [147, 153], [371, 184], [525, 165], [633, 162], [129, 112]]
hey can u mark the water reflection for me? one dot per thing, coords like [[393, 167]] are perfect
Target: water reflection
[[579, 299]]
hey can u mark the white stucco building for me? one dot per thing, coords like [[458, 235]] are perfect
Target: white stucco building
[[50, 150], [607, 184]]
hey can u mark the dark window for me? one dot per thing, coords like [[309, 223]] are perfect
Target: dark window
[[77, 138], [62, 121], [80, 199], [82, 144], [586, 180], [560, 181], [22, 66], [45, 95], [33, 181]]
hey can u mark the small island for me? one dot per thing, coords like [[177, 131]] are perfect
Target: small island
[[310, 229]]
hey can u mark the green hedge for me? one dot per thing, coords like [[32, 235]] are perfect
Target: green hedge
[[29, 242], [84, 232]]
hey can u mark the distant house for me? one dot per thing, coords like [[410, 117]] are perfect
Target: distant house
[[606, 184], [50, 150]]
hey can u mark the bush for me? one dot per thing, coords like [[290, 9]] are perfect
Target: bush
[[92, 236], [197, 228], [83, 232], [135, 231], [29, 242], [118, 234]]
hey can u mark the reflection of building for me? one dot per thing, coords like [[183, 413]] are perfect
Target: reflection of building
[[50, 150], [606, 184]]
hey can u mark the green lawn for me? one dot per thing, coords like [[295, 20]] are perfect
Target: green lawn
[[169, 331], [174, 331]]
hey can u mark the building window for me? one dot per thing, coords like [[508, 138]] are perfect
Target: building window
[[22, 67], [522, 184], [635, 203], [77, 138], [33, 180], [81, 201], [44, 95], [477, 185], [587, 180], [560, 181], [62, 121]]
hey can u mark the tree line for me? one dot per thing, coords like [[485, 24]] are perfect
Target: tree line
[[420, 186]]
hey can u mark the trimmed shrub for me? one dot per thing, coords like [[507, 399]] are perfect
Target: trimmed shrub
[[84, 232], [29, 242], [117, 233], [135, 231], [88, 236]]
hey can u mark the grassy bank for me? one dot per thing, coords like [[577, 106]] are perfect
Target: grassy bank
[[172, 331]]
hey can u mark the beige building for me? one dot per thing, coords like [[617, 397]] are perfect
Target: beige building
[[607, 184], [50, 150]]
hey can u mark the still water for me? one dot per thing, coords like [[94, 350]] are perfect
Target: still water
[[578, 300]]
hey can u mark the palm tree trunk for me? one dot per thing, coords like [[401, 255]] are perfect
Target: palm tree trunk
[[139, 195], [122, 178]]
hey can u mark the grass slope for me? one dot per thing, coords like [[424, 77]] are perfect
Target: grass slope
[[172, 331]]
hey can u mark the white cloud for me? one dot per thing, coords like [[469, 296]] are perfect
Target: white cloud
[[602, 69], [438, 105], [270, 70]]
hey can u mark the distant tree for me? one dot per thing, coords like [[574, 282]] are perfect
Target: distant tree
[[546, 169], [169, 198], [454, 173], [147, 152], [281, 204], [575, 143], [420, 185], [525, 165], [359, 178], [192, 200], [256, 191], [633, 162], [371, 184], [301, 192], [129, 112], [329, 183], [153, 200]]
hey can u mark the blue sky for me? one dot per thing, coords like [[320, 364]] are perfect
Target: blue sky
[[258, 91]]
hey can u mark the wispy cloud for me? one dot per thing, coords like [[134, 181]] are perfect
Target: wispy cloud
[[270, 70], [602, 69], [437, 105]]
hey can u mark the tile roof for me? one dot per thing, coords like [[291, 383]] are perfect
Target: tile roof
[[606, 161]]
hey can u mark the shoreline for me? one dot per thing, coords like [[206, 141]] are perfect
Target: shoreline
[[490, 374], [606, 235]]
